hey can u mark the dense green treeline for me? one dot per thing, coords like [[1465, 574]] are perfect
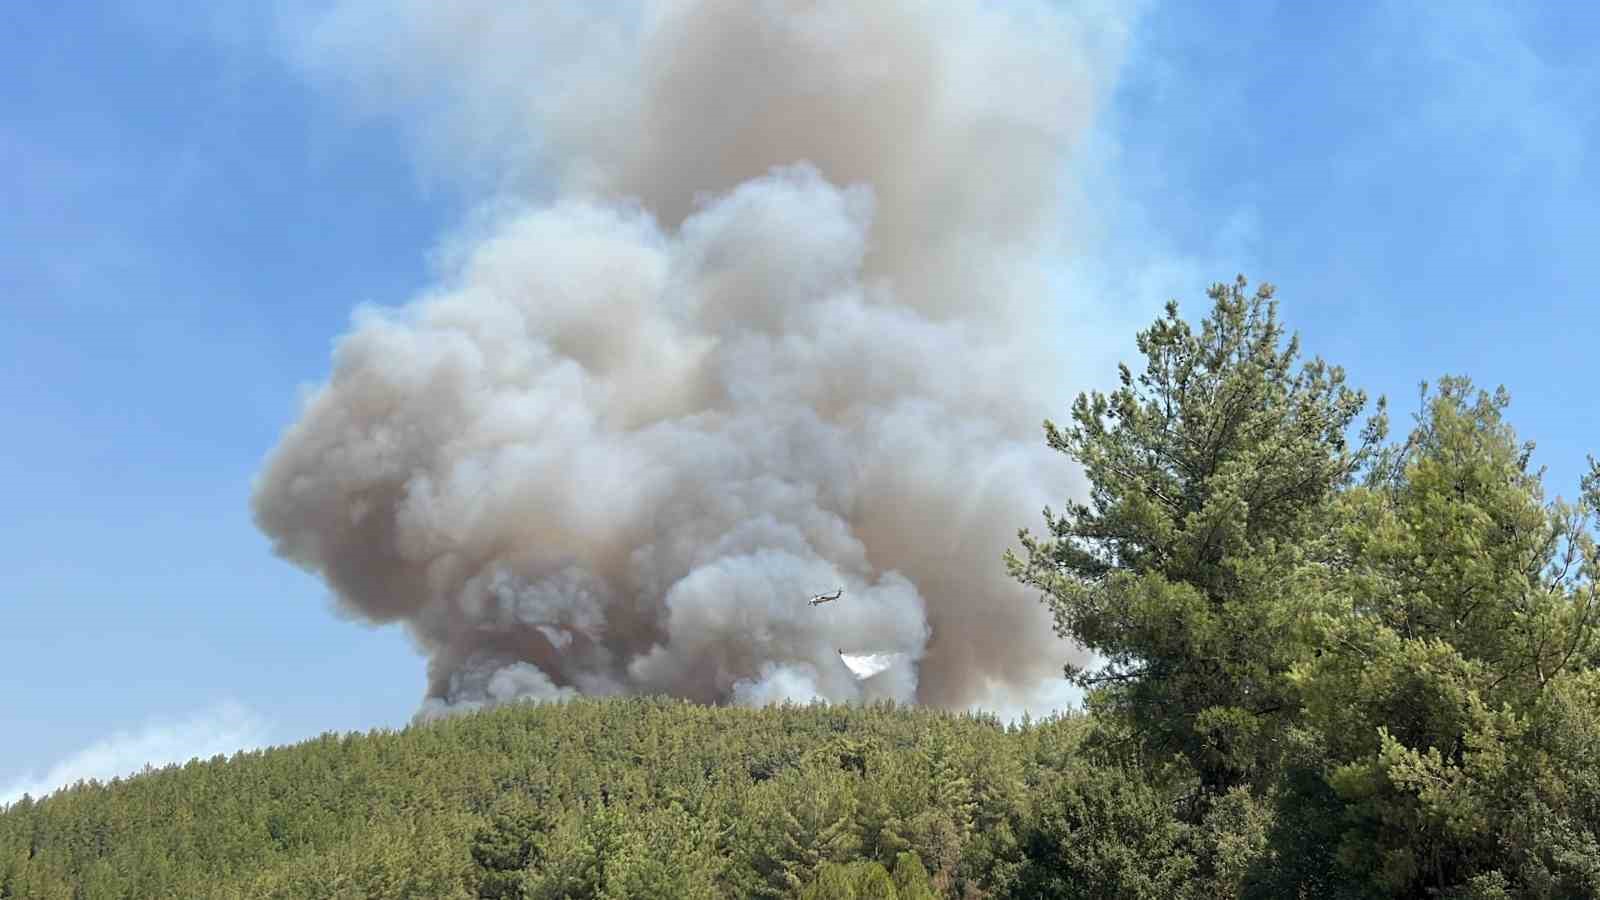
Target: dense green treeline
[[615, 798], [1330, 664]]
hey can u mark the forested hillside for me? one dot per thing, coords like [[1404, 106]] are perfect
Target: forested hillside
[[616, 798], [1331, 665]]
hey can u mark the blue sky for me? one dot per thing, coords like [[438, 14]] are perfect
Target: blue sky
[[188, 221]]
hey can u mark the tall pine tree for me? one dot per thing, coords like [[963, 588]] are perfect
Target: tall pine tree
[[1196, 561]]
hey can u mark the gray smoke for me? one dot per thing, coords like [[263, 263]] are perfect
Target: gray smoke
[[769, 317]]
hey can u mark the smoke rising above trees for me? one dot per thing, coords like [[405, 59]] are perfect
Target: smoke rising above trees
[[761, 311]]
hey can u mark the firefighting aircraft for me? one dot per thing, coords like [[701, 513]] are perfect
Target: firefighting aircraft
[[820, 599]]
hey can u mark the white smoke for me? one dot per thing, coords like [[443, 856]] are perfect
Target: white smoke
[[866, 665], [224, 729], [782, 325]]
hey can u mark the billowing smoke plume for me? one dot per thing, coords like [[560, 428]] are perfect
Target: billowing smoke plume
[[777, 325]]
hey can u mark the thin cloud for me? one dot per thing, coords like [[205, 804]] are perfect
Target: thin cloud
[[1480, 85], [223, 729]]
